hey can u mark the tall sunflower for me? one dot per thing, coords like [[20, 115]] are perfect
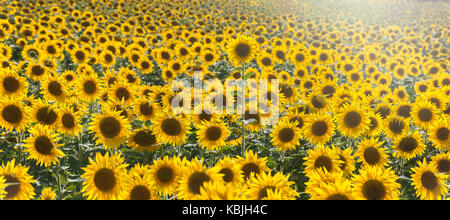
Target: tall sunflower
[[241, 50], [105, 178], [251, 164]]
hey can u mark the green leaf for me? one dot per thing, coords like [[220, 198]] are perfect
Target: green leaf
[[248, 75]]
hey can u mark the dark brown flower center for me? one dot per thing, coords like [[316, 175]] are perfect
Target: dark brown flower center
[[196, 181], [105, 179], [286, 135], [373, 190], [140, 193], [442, 133], [227, 174], [110, 127], [371, 155], [323, 162], [319, 128], [249, 168], [213, 133], [171, 127], [43, 145], [55, 88], [425, 115], [11, 84], [46, 115], [242, 50], [408, 144], [90, 87], [12, 114], [12, 190], [352, 119], [429, 180], [165, 174], [68, 120]]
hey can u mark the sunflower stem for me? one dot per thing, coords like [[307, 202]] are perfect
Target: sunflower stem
[[243, 109]]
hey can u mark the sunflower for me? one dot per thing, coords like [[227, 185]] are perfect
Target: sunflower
[[45, 113], [429, 184], [403, 109], [166, 173], [11, 84], [319, 158], [105, 178], [195, 174], [265, 61], [371, 153], [285, 135], [260, 183], [169, 129], [374, 183], [345, 159], [139, 188], [42, 146], [144, 109], [318, 128], [88, 87], [439, 133], [107, 58], [70, 120], [408, 146], [424, 114], [13, 115], [80, 55], [18, 181], [217, 191], [241, 50], [251, 165], [339, 190], [122, 92], [395, 126], [54, 88], [110, 128], [442, 163], [353, 120], [375, 125], [232, 175], [37, 70], [48, 194], [145, 65], [144, 140], [212, 135]]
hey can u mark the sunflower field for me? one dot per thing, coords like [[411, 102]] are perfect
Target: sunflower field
[[224, 100]]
